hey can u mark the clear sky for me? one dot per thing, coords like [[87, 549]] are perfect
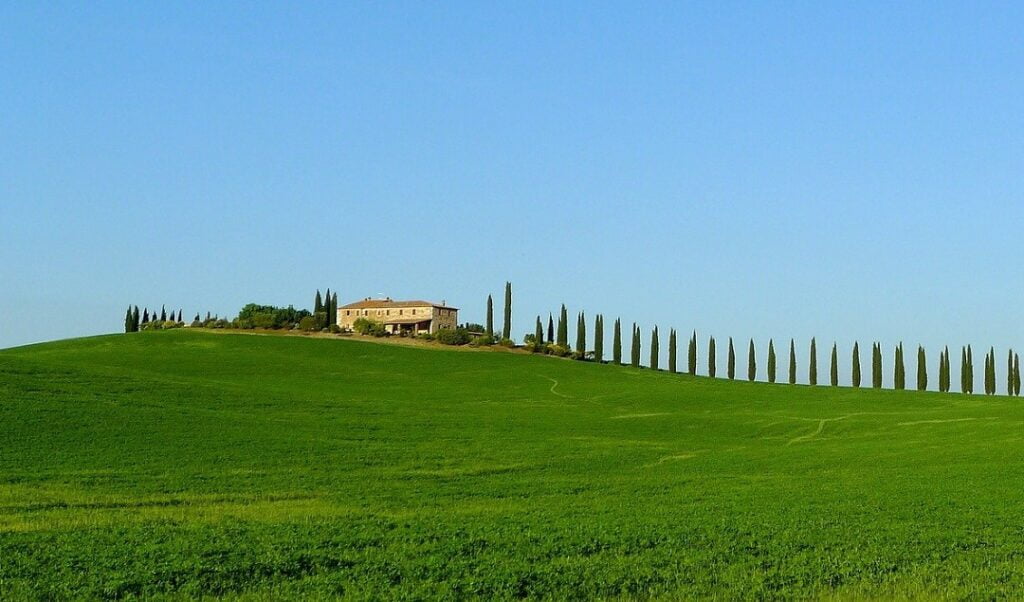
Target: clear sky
[[850, 171]]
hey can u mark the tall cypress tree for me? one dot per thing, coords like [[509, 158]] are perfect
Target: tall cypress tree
[[599, 338], [691, 355], [897, 378], [792, 362], [135, 319], [812, 371], [1009, 373], [581, 336], [635, 355], [855, 369], [538, 335], [489, 328], [922, 369], [551, 328], [672, 350], [992, 371], [128, 320], [327, 307], [731, 362], [1016, 375], [834, 371], [318, 303], [712, 358], [751, 362], [944, 371], [654, 348], [145, 315], [563, 328], [617, 343], [163, 313], [771, 361], [876, 375], [970, 370], [506, 331], [334, 308], [963, 370]]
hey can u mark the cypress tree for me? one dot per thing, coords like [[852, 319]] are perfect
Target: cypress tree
[[712, 358], [945, 378], [654, 348], [897, 377], [672, 350], [581, 336], [135, 319], [963, 370], [812, 371], [731, 362], [792, 362], [599, 338], [855, 373], [970, 370], [538, 335], [922, 369], [834, 371], [876, 365], [327, 306], [318, 303], [751, 362], [1009, 373], [1017, 375], [563, 328], [128, 320], [551, 329], [145, 316], [506, 331], [334, 308], [163, 313], [617, 343], [635, 351], [691, 355], [489, 328], [179, 316], [992, 379], [771, 361]]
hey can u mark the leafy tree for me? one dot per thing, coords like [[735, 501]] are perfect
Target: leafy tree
[[771, 361], [712, 358], [922, 369], [581, 336], [654, 348], [792, 362], [672, 350], [506, 331], [751, 362], [617, 343], [489, 328], [691, 355], [812, 371], [599, 338], [563, 328], [635, 355], [834, 372], [855, 375]]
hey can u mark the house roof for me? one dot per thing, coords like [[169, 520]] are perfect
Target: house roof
[[389, 303]]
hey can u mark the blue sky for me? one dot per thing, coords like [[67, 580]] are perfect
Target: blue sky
[[846, 171]]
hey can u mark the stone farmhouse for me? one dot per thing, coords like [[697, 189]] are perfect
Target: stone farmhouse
[[398, 317]]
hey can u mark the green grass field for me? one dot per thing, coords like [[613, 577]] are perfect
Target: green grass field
[[182, 464]]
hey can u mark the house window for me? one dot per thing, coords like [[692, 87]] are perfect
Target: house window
[[399, 312]]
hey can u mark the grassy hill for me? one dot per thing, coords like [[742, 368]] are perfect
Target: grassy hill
[[183, 463]]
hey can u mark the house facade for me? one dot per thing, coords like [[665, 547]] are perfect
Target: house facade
[[409, 317]]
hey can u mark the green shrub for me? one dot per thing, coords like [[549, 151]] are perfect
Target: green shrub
[[558, 350], [425, 336], [482, 341], [334, 329], [507, 343], [308, 324], [367, 326], [446, 336]]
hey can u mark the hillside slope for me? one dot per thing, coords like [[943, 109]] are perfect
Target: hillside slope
[[184, 463]]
